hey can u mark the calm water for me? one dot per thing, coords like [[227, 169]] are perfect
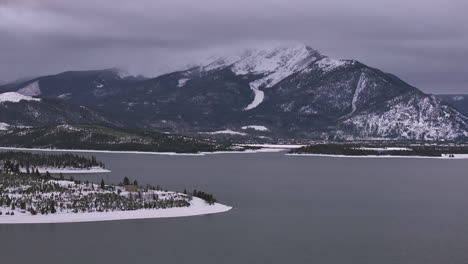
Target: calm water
[[287, 210]]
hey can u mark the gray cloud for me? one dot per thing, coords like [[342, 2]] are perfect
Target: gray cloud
[[425, 42]]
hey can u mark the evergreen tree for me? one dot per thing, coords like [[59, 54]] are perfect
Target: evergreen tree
[[102, 184], [52, 208], [126, 181]]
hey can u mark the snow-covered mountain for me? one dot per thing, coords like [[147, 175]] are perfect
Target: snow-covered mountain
[[272, 66], [291, 91]]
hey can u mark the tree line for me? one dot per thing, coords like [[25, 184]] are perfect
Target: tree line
[[29, 160], [366, 150]]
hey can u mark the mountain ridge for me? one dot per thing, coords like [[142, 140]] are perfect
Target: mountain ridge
[[294, 91]]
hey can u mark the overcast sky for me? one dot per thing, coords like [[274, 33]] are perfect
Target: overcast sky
[[424, 42]]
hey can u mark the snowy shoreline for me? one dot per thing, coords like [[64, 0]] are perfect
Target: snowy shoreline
[[274, 146], [197, 207], [70, 170], [445, 157], [249, 151]]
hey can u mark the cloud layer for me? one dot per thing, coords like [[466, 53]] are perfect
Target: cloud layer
[[425, 42]]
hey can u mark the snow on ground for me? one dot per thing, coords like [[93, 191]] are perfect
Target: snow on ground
[[384, 149], [15, 97], [458, 97], [197, 207], [227, 131], [254, 127], [31, 89], [69, 170], [4, 126], [274, 146], [182, 82]]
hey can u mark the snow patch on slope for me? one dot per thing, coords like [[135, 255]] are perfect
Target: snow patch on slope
[[222, 62], [227, 131], [254, 127], [327, 65], [4, 126], [359, 88], [258, 98], [182, 82], [15, 97], [31, 89], [64, 96]]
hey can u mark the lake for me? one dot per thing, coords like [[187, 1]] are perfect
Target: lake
[[287, 209]]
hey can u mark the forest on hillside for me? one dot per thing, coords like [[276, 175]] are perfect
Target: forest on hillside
[[12, 161], [378, 150], [105, 138]]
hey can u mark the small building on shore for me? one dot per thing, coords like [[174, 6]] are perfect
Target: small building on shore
[[131, 188]]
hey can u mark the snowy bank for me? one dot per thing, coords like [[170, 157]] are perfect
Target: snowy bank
[[197, 207]]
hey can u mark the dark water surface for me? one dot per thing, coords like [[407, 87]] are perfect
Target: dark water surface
[[287, 210]]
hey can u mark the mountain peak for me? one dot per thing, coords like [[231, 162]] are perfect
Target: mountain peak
[[261, 61], [280, 60], [273, 65]]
